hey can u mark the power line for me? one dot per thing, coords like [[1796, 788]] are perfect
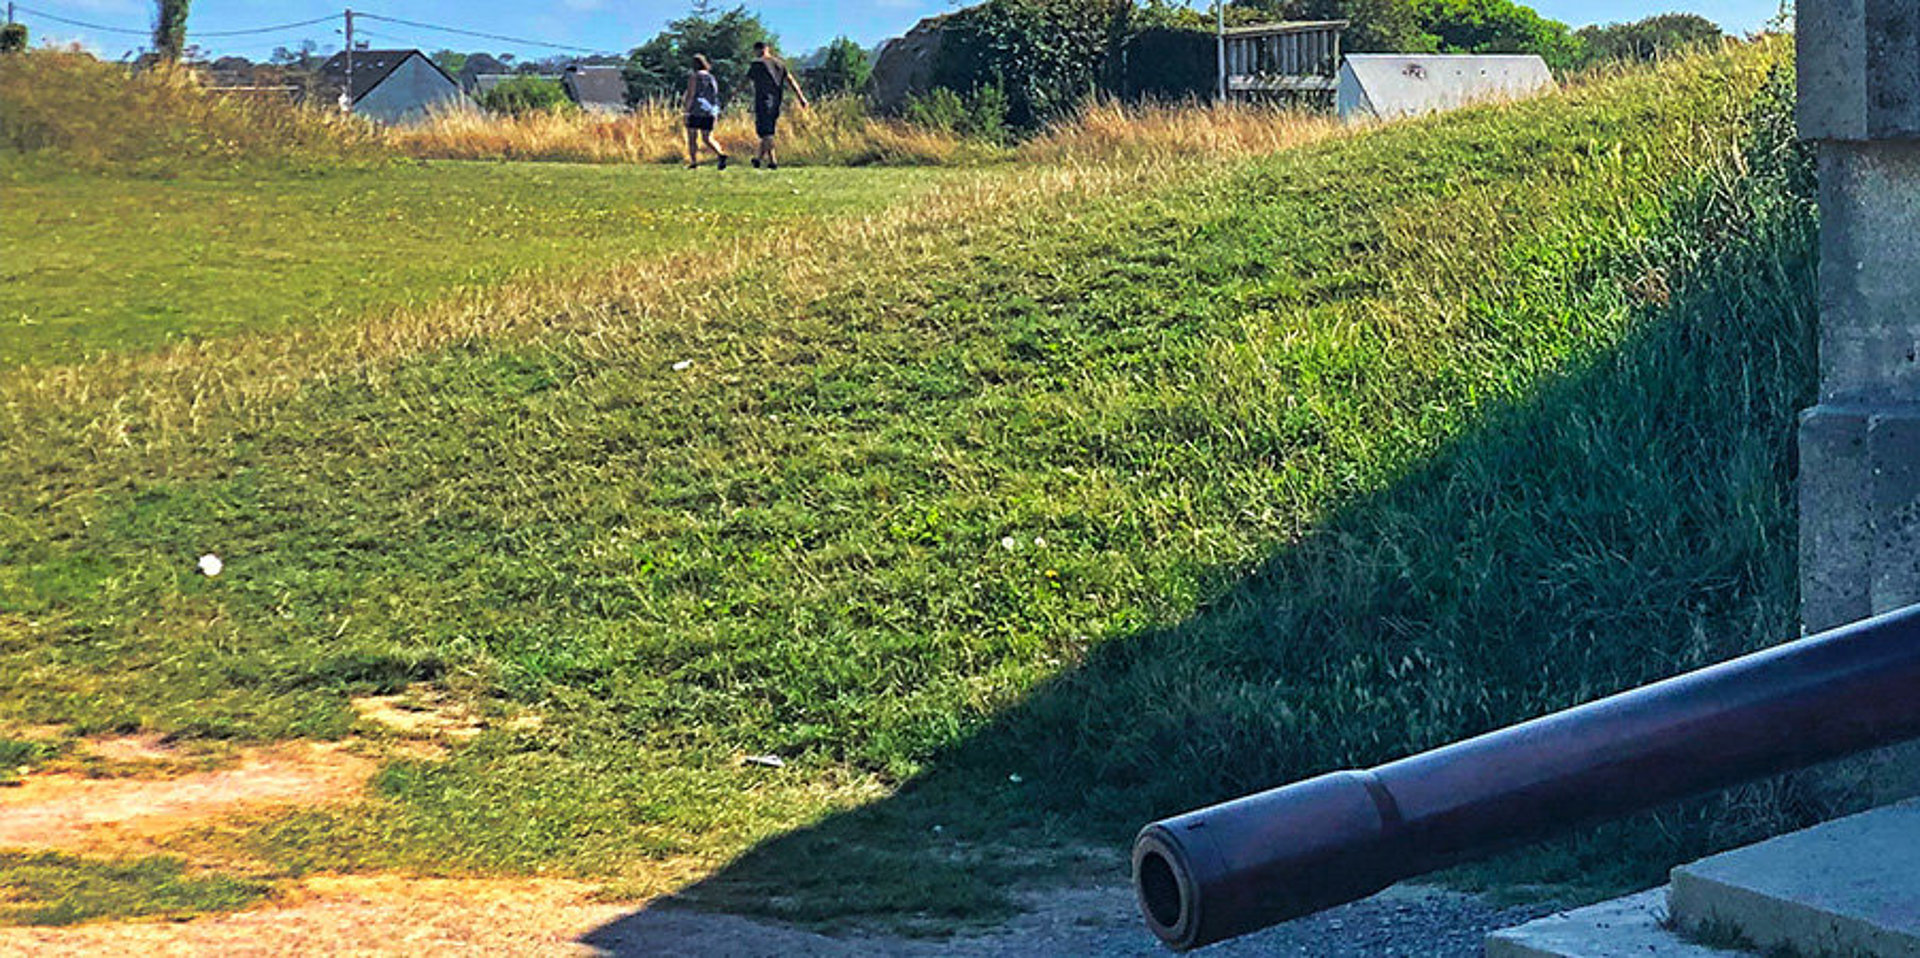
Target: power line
[[193, 34], [473, 33], [80, 23], [273, 29], [276, 28]]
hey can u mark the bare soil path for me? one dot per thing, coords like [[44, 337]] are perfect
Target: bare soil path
[[69, 810]]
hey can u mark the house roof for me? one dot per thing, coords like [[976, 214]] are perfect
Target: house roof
[[596, 86], [370, 67], [1392, 84]]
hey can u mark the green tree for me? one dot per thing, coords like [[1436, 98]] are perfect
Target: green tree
[[659, 67], [13, 38], [451, 61], [1498, 26], [1046, 56], [1649, 39], [170, 28], [1375, 26], [524, 94], [843, 68]]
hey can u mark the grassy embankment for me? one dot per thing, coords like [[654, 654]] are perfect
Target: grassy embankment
[[1084, 504]]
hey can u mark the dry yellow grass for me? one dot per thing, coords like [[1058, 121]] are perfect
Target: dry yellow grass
[[1107, 130], [95, 114], [841, 132], [836, 132]]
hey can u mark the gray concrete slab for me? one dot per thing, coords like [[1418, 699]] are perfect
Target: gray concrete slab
[[1630, 927], [1848, 887]]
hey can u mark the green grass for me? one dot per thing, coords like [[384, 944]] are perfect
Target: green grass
[[101, 262], [1038, 525], [54, 889], [18, 755]]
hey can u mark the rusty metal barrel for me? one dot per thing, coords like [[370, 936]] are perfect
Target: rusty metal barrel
[[1243, 865]]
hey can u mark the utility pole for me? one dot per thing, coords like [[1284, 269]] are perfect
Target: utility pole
[[346, 95], [1220, 44], [9, 12]]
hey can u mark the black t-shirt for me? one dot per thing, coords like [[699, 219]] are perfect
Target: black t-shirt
[[769, 78]]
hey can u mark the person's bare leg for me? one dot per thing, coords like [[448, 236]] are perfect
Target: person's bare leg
[[693, 147], [718, 153]]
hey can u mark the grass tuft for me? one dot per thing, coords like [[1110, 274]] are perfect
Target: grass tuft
[[53, 889]]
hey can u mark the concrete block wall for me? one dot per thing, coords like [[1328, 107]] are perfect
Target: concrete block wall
[[1859, 73]]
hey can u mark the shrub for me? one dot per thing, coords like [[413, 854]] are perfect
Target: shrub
[[1045, 56], [1648, 39], [981, 114], [13, 38], [525, 94]]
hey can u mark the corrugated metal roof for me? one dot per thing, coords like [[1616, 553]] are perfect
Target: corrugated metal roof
[[1397, 84]]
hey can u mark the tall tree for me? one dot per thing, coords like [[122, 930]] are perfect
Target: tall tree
[[170, 28], [1498, 26], [843, 68], [659, 67]]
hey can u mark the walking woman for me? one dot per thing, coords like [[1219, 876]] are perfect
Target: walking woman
[[703, 106]]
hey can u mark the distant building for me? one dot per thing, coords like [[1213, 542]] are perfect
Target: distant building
[[392, 86], [1388, 85], [596, 89], [479, 65]]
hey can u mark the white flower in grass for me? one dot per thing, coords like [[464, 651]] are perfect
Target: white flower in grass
[[1009, 543], [210, 565]]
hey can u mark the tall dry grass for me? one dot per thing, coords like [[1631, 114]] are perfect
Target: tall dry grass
[[1112, 130], [842, 132], [93, 114], [835, 132]]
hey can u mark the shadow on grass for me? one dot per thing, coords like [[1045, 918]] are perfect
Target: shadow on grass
[[1632, 519]]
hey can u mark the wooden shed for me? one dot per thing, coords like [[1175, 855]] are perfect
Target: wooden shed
[[1283, 58]]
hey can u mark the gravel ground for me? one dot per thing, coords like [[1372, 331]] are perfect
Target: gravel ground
[[1409, 921]]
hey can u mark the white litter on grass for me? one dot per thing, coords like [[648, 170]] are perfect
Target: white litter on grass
[[683, 365], [210, 565], [766, 761]]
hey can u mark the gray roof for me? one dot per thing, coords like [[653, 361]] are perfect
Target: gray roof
[[369, 68], [1398, 84], [596, 88]]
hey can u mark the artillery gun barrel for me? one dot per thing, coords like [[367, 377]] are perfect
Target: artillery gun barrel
[[1243, 865]]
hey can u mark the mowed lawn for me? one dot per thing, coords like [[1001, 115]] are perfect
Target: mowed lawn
[[100, 262]]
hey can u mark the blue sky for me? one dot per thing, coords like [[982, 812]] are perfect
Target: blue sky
[[622, 24]]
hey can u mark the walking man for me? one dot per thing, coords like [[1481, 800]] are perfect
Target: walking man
[[771, 79]]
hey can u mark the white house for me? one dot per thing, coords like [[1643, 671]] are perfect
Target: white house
[[1388, 85]]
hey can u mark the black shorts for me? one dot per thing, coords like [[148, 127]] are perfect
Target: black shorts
[[698, 122], [765, 121]]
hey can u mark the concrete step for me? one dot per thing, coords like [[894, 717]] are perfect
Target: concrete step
[[1630, 927], [1850, 887]]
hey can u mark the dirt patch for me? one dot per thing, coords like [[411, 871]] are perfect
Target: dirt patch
[[72, 811], [360, 916], [428, 713]]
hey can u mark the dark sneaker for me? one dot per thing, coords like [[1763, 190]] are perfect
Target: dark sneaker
[[723, 161], [771, 165], [756, 162]]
